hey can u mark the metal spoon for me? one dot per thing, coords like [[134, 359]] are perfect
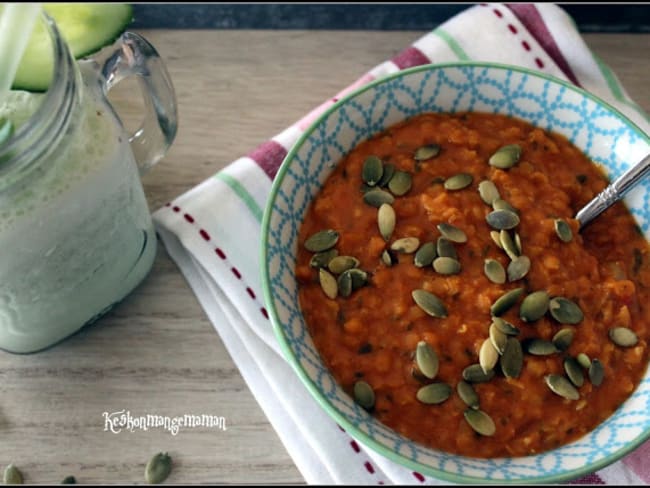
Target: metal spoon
[[614, 192]]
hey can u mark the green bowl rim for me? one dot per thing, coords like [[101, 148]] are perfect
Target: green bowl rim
[[333, 412]]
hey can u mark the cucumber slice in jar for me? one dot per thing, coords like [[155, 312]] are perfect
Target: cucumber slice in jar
[[87, 27]]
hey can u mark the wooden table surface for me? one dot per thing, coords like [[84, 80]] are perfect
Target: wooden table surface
[[157, 353]]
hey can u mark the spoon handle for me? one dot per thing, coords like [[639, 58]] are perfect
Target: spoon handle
[[614, 192]]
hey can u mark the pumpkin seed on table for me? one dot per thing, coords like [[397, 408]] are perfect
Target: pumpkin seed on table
[[406, 245], [506, 156], [446, 266], [322, 259], [467, 394], [534, 306], [540, 347], [480, 421], [512, 359], [518, 268], [563, 338], [426, 152], [372, 170], [12, 476], [359, 278], [434, 393], [622, 336], [562, 386], [495, 235], [458, 181], [425, 255], [583, 360], [400, 183], [386, 220], [494, 271], [504, 326], [158, 468], [328, 283], [488, 192], [426, 360], [506, 301], [452, 233], [388, 257], [501, 204], [322, 240], [377, 197], [502, 219], [596, 372], [565, 311], [364, 395], [499, 338], [574, 371], [445, 248], [488, 356], [339, 264], [430, 303], [518, 245], [474, 374], [344, 284], [389, 171], [508, 245], [563, 230]]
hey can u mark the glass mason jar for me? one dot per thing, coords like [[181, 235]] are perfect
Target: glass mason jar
[[76, 234]]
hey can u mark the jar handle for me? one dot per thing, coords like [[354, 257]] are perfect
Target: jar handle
[[134, 55]]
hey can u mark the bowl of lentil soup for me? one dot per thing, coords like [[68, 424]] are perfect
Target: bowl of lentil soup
[[428, 282]]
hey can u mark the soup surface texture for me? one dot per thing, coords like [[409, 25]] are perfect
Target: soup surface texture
[[510, 379]]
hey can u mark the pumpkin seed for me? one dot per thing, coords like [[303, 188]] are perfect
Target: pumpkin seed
[[452, 233], [506, 156], [458, 181], [501, 204], [322, 259], [389, 171], [388, 257], [158, 468], [561, 386], [6, 130], [506, 301], [426, 152], [445, 248], [364, 395], [322, 240], [406, 245], [518, 268], [328, 283], [344, 283], [425, 255], [518, 246], [565, 311], [488, 356], [574, 371], [377, 197], [12, 476], [508, 244], [339, 264], [400, 183], [386, 219], [69, 480], [494, 271], [596, 372], [494, 234], [372, 170], [467, 394], [434, 393], [474, 374], [430, 303], [446, 266], [504, 326], [426, 360], [622, 336], [488, 191], [512, 360], [583, 360], [534, 306], [563, 338], [359, 278], [480, 421], [501, 219], [498, 338], [539, 347], [563, 230]]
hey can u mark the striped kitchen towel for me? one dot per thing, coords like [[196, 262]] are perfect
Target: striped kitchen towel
[[202, 231]]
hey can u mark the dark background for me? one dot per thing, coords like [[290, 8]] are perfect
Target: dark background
[[632, 18]]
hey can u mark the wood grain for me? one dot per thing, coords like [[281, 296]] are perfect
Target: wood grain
[[157, 353]]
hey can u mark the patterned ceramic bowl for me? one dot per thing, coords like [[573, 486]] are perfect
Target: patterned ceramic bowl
[[600, 131]]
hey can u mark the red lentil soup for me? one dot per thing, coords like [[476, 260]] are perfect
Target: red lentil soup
[[548, 368]]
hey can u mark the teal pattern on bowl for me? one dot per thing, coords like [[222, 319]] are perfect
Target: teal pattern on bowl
[[605, 135]]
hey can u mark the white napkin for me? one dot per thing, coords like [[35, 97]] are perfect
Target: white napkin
[[213, 233]]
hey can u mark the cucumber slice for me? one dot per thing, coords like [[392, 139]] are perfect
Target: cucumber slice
[[87, 27]]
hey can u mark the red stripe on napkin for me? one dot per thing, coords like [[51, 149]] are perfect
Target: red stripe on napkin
[[409, 57], [637, 461], [530, 17], [269, 156], [590, 479]]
